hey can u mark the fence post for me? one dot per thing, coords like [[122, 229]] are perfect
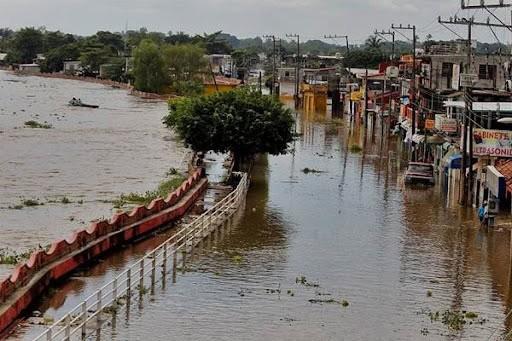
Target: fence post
[[184, 258], [164, 262], [174, 264], [141, 278], [114, 292], [153, 273], [49, 334], [128, 285], [98, 310], [84, 319], [68, 327]]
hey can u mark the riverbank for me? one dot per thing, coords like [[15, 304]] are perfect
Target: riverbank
[[58, 179], [106, 82]]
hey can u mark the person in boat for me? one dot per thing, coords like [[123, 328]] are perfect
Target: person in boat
[[73, 101], [79, 102]]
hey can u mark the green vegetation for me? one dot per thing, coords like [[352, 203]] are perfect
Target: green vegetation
[[149, 67], [455, 320], [31, 202], [303, 281], [311, 170], [164, 188], [242, 122], [355, 148], [35, 124], [11, 257], [343, 303]]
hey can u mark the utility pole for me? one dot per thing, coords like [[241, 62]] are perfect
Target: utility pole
[[392, 34], [297, 70], [468, 113], [273, 37], [466, 180], [482, 4], [336, 36], [366, 99], [413, 83]]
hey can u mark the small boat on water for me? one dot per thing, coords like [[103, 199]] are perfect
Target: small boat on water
[[78, 103]]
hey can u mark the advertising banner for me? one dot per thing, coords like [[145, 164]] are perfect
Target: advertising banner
[[448, 125], [487, 142]]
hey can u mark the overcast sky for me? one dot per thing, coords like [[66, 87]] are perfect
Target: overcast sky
[[244, 18]]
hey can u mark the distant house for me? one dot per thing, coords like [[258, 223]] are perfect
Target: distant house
[[2, 58], [71, 67], [29, 68], [40, 58], [221, 84], [222, 64]]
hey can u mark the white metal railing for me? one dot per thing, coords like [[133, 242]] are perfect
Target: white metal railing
[[86, 318]]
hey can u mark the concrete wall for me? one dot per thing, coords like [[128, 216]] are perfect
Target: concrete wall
[[440, 83], [31, 278]]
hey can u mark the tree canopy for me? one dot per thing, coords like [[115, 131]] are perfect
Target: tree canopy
[[149, 67], [242, 121]]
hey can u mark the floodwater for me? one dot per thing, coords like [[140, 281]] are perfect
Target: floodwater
[[89, 156], [348, 232], [355, 234]]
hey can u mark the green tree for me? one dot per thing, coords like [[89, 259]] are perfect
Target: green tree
[[56, 39], [242, 122], [364, 58], [213, 43], [93, 56], [55, 58], [186, 64], [149, 69], [373, 42], [26, 44]]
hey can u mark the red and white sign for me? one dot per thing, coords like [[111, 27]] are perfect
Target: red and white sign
[[487, 142], [448, 125]]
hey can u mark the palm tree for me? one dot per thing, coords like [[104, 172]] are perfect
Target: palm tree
[[374, 42]]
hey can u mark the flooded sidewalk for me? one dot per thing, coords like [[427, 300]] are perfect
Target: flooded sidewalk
[[58, 179]]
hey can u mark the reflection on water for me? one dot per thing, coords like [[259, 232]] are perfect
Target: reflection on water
[[90, 156], [356, 234]]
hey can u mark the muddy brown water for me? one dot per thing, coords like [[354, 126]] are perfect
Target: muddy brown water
[[349, 232], [90, 156]]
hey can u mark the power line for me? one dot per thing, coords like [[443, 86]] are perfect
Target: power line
[[273, 37], [297, 70]]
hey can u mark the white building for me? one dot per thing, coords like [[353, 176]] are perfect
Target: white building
[[72, 66], [29, 68]]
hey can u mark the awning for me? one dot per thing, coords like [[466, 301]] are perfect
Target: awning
[[417, 138], [436, 139]]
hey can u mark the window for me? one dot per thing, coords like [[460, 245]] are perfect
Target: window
[[447, 70], [487, 71]]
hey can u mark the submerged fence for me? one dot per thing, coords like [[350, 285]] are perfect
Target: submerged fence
[[87, 318]]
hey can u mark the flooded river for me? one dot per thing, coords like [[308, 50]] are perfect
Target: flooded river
[[89, 156], [340, 252]]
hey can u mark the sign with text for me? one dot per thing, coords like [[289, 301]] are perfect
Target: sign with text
[[430, 124], [448, 125], [487, 142], [468, 79]]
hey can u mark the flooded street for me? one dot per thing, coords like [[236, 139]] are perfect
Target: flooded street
[[89, 156], [348, 233], [329, 246]]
